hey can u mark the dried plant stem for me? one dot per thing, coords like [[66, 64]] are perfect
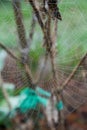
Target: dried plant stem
[[5, 93], [43, 68], [73, 72], [50, 47], [22, 38], [55, 31], [6, 97], [53, 67], [37, 14], [49, 44], [8, 51], [19, 23], [33, 23], [52, 55], [29, 75], [61, 118]]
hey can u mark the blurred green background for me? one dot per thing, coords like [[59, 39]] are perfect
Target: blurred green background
[[72, 32]]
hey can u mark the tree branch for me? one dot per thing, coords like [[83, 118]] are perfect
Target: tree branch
[[9, 52], [73, 72], [5, 93], [33, 23], [37, 14], [19, 23], [23, 42]]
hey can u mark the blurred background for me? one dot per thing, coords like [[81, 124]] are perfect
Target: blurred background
[[71, 46]]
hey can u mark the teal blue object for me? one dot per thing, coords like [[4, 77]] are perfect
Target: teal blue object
[[60, 105], [30, 102], [43, 92], [42, 101], [28, 91]]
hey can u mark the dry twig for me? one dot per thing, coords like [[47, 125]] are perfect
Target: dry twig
[[22, 38], [9, 52], [73, 72]]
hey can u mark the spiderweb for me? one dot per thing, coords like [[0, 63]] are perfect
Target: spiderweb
[[71, 47]]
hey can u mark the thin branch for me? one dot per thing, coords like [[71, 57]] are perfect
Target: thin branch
[[33, 23], [5, 93], [51, 47], [9, 52], [19, 23], [37, 14], [55, 31], [54, 39], [43, 68], [52, 51], [23, 42], [29, 75], [73, 72]]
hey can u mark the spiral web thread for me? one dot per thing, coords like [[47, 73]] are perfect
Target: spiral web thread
[[71, 46]]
